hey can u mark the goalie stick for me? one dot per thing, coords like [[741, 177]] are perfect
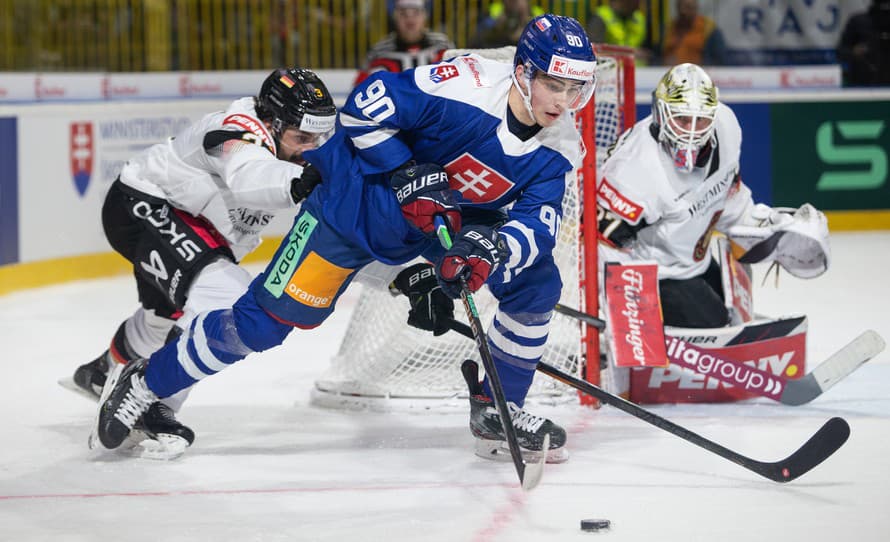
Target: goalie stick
[[793, 392], [827, 440], [529, 473]]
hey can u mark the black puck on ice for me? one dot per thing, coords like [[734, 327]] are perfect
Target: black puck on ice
[[595, 524]]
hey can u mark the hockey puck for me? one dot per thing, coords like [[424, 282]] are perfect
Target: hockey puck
[[595, 524]]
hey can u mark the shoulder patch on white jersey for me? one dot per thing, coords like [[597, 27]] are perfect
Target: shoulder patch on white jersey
[[252, 125], [620, 205], [471, 64]]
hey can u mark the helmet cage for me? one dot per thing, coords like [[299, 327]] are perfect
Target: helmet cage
[[687, 93]]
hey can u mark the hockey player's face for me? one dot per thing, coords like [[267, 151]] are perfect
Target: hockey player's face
[[551, 97], [293, 143]]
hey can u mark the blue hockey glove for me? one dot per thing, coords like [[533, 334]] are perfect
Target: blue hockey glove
[[476, 253], [423, 193], [431, 309]]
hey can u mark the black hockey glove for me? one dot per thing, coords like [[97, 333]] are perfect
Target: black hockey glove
[[301, 187], [430, 307], [476, 253], [423, 193]]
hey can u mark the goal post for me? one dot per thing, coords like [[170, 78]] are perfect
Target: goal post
[[384, 364]]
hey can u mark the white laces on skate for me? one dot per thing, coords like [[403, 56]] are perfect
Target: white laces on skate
[[136, 402], [524, 420]]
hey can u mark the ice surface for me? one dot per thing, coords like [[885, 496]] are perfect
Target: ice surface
[[267, 466]]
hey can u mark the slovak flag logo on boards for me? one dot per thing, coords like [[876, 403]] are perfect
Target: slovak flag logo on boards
[[81, 151], [443, 72]]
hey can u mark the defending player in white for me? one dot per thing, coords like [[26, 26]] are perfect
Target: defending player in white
[[184, 212], [493, 145], [673, 180]]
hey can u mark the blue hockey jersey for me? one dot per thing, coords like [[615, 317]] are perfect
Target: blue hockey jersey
[[453, 114]]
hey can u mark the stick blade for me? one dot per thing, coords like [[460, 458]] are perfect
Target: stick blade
[[834, 369], [533, 472], [827, 440]]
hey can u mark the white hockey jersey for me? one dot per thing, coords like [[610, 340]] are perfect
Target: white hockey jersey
[[638, 181], [223, 168]]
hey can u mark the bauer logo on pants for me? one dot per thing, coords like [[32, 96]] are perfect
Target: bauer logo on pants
[[290, 254]]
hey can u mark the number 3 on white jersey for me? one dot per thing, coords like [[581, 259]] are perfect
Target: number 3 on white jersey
[[374, 102]]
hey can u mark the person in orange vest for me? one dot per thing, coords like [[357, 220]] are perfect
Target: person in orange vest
[[692, 37], [621, 22]]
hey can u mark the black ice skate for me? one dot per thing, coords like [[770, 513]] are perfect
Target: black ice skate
[[158, 435], [485, 424], [124, 400], [89, 378]]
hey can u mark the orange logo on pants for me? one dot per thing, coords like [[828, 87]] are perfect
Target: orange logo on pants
[[316, 282]]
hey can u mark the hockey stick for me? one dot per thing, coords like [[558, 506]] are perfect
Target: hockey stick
[[817, 449], [793, 392], [529, 474]]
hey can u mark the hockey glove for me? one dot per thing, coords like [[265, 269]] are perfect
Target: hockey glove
[[430, 309], [475, 254], [301, 187], [423, 193]]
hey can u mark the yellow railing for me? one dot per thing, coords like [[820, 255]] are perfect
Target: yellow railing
[[163, 35]]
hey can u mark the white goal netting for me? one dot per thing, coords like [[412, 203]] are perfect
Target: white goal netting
[[384, 364]]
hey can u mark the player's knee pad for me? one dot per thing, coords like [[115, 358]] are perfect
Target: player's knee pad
[[218, 285], [255, 327], [535, 290]]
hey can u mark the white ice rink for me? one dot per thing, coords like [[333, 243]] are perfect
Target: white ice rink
[[267, 466]]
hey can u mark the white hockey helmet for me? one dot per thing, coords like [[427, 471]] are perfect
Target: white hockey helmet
[[684, 107]]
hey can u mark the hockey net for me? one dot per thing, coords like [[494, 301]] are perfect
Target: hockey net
[[384, 364]]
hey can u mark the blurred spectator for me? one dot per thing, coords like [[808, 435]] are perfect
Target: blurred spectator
[[864, 48], [504, 24], [692, 37], [411, 44], [621, 22]]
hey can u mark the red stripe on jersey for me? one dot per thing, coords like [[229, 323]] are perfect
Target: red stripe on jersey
[[252, 125], [203, 228]]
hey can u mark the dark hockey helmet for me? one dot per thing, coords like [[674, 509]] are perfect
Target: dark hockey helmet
[[296, 97], [559, 47]]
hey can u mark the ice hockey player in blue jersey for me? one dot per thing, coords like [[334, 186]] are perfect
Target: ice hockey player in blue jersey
[[485, 145]]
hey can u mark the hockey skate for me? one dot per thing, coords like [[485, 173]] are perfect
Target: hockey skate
[[158, 435], [125, 398], [89, 379], [485, 424]]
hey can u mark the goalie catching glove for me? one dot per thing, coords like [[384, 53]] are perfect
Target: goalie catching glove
[[431, 309], [476, 253], [796, 239], [423, 192]]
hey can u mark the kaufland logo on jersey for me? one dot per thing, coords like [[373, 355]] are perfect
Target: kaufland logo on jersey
[[81, 153], [442, 72], [476, 181], [581, 70]]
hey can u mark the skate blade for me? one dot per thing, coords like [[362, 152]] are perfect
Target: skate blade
[[161, 447], [68, 384], [498, 450]]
